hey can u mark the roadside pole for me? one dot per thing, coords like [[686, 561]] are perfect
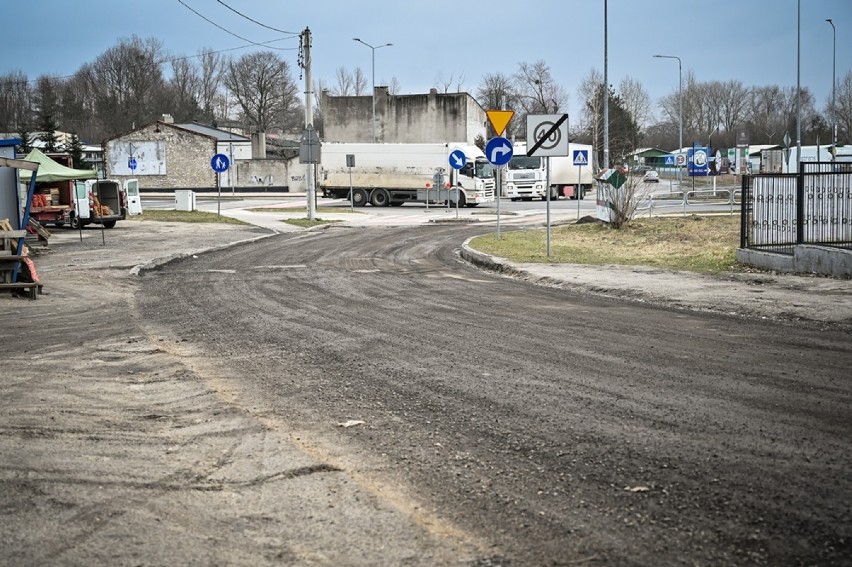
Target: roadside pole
[[579, 189], [499, 189], [547, 189], [219, 193]]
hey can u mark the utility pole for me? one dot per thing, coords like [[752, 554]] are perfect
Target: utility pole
[[309, 120], [605, 96]]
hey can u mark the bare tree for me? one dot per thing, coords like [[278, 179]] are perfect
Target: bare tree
[[843, 95], [393, 86], [127, 84], [183, 90], [345, 82], [497, 91], [15, 101], [589, 94], [636, 100], [210, 83], [359, 82], [264, 90], [537, 90]]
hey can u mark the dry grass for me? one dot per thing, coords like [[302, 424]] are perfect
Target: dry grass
[[703, 244]]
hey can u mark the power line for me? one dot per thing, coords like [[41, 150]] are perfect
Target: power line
[[255, 21], [170, 60], [206, 19]]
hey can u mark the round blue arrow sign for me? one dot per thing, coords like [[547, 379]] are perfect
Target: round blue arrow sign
[[457, 159], [131, 163], [220, 163], [499, 151]]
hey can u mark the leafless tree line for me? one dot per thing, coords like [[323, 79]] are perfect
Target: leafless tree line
[[136, 81]]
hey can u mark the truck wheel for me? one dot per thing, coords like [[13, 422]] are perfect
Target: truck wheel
[[380, 198], [462, 199], [75, 222], [359, 197], [59, 224], [109, 224]]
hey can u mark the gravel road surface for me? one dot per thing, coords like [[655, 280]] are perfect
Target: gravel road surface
[[364, 397]]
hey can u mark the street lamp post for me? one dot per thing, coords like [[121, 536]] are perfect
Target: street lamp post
[[680, 98], [373, 49], [833, 83]]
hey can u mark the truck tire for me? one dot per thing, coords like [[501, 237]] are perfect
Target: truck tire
[[380, 198], [75, 222], [462, 199], [109, 224], [359, 197]]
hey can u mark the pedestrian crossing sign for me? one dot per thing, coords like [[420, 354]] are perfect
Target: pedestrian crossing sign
[[581, 157]]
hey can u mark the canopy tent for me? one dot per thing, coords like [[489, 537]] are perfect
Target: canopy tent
[[49, 170]]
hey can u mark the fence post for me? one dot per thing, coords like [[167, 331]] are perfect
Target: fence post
[[744, 197], [800, 204]]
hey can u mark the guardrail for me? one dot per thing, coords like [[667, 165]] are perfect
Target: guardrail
[[730, 197]]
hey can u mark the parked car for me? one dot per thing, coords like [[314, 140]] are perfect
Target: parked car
[[651, 176]]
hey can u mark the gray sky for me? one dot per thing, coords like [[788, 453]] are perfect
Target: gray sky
[[753, 41]]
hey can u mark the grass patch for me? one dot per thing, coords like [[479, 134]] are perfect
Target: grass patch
[[166, 215], [303, 210], [702, 244], [306, 223]]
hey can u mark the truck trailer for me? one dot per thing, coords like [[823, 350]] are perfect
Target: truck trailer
[[395, 174], [526, 176]]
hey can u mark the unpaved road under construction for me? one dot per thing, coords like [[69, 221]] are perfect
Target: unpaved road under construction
[[364, 397]]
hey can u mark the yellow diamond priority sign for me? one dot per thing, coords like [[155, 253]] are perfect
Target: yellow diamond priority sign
[[499, 119]]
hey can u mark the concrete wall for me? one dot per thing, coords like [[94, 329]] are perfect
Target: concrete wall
[[268, 174], [806, 259], [423, 118], [187, 158]]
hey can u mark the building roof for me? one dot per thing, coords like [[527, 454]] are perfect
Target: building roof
[[220, 135]]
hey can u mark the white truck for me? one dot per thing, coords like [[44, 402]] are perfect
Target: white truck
[[526, 177], [395, 174], [565, 177]]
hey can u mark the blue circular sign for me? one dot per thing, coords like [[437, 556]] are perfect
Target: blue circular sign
[[220, 163], [499, 151], [131, 163], [457, 159]]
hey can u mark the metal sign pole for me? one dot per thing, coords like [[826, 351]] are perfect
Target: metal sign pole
[[547, 188], [219, 192], [499, 189], [579, 190], [351, 192]]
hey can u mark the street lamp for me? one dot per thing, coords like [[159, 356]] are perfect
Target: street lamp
[[373, 48], [833, 83], [680, 97]]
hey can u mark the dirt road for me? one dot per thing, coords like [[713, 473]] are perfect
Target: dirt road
[[127, 443]]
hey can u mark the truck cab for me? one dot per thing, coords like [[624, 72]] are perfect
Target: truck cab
[[525, 176]]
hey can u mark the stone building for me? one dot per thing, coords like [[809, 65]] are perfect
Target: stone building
[[170, 156], [418, 118]]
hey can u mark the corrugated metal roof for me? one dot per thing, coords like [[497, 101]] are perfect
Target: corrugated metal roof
[[220, 135]]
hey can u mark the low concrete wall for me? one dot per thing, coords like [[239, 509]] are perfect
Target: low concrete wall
[[806, 259]]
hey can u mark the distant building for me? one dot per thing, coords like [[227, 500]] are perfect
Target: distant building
[[419, 118], [168, 156]]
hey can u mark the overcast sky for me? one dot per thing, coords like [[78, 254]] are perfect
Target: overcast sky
[[753, 41]]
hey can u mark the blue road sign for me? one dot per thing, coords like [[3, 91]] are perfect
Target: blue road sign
[[499, 151], [131, 163], [457, 159], [220, 163], [670, 160], [581, 157], [699, 161]]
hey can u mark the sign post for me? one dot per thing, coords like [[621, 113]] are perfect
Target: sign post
[[547, 135], [219, 163], [499, 151], [581, 158], [457, 161], [350, 163], [499, 120]]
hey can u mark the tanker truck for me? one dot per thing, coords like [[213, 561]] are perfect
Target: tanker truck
[[394, 174]]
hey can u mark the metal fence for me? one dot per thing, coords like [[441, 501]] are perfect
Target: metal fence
[[780, 211]]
